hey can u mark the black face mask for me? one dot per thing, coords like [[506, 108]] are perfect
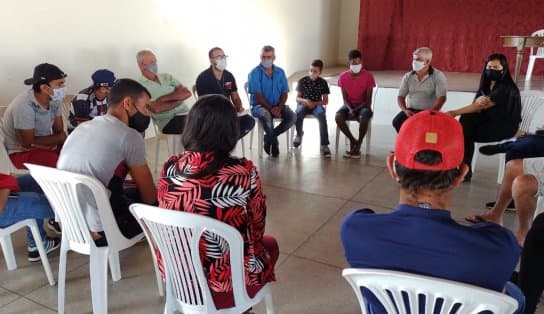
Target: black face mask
[[139, 121], [493, 75]]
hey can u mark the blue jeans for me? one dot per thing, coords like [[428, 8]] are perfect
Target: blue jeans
[[288, 118], [524, 147], [30, 203], [320, 114]]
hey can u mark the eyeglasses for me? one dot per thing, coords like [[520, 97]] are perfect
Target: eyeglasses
[[222, 57]]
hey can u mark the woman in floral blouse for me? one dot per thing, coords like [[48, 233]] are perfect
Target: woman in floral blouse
[[207, 180]]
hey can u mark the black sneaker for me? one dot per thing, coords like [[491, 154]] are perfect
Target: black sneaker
[[511, 205], [266, 145], [275, 149], [325, 151], [297, 140], [490, 149], [49, 245], [53, 226]]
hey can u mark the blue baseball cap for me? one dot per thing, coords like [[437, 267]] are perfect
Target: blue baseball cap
[[103, 78]]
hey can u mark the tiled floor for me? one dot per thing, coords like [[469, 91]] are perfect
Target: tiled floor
[[307, 198]]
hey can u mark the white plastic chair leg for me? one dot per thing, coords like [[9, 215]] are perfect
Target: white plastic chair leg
[[43, 254], [157, 146], [99, 280], [115, 268], [260, 139], [502, 164], [337, 141], [62, 277], [243, 147], [530, 67], [368, 138], [269, 303], [7, 249]]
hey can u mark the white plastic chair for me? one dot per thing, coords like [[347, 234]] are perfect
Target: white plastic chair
[[177, 235], [260, 130], [368, 136], [388, 286], [537, 53], [63, 189], [530, 103], [7, 246]]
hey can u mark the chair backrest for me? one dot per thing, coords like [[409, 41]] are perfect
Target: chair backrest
[[246, 90], [530, 103], [177, 235], [538, 51], [392, 287], [66, 107], [6, 166], [64, 191], [195, 94]]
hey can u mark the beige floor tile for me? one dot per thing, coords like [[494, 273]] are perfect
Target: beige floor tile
[[324, 245], [305, 286], [293, 216], [7, 297], [25, 306]]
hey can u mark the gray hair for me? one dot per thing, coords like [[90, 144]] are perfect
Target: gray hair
[[140, 55], [268, 48], [424, 52]]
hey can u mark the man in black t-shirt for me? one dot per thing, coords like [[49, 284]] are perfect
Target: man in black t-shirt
[[217, 80], [312, 97]]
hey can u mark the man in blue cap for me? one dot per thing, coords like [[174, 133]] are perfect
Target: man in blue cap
[[93, 100]]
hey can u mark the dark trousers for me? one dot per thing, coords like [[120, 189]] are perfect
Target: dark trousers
[[478, 128], [531, 271], [247, 123], [320, 114], [174, 126], [399, 119], [530, 146]]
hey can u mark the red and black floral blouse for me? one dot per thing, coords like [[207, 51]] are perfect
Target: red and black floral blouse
[[232, 195]]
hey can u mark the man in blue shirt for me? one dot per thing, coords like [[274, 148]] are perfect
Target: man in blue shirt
[[268, 87], [420, 236]]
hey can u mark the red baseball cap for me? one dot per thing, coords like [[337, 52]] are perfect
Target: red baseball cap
[[430, 130]]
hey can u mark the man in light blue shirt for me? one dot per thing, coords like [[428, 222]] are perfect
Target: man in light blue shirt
[[268, 87]]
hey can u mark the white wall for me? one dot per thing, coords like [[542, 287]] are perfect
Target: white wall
[[82, 36], [348, 29]]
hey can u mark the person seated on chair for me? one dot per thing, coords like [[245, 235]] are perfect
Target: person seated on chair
[[425, 86], [32, 124], [356, 84], [428, 165], [268, 87], [495, 113], [528, 145], [217, 80], [107, 148], [20, 199], [93, 100], [531, 273], [229, 189], [312, 97], [530, 171], [167, 95]]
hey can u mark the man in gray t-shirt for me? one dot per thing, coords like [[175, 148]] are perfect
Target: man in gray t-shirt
[[107, 148], [32, 124], [425, 86]]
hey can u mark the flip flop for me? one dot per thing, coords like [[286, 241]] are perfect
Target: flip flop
[[474, 219]]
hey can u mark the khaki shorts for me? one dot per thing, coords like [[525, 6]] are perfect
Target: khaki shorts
[[535, 167]]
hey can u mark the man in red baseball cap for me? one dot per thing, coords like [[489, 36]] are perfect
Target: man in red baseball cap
[[420, 235]]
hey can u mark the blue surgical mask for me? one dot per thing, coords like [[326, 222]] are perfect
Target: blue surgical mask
[[267, 63], [58, 93], [152, 67]]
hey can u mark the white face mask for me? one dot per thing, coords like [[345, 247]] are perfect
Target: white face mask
[[58, 94], [417, 65], [221, 64], [313, 76], [355, 68], [267, 63]]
